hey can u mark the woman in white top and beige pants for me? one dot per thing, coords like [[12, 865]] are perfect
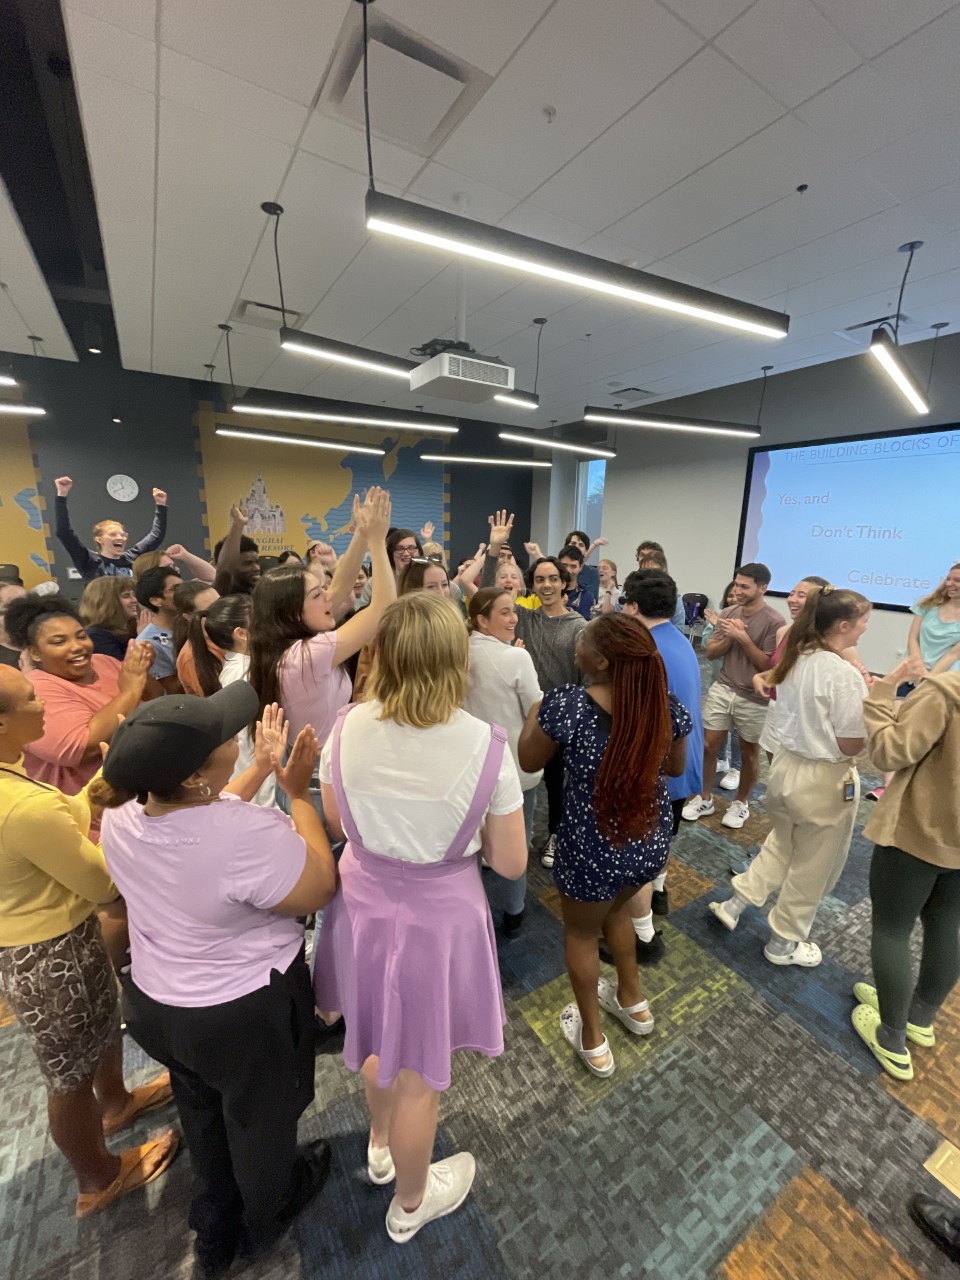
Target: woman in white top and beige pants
[[502, 686], [815, 730]]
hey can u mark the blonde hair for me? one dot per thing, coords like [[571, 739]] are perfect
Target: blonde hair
[[149, 560], [938, 596], [613, 566], [100, 605], [435, 549], [102, 525], [420, 670]]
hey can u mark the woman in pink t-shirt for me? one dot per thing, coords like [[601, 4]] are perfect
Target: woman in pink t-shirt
[[296, 656], [85, 693]]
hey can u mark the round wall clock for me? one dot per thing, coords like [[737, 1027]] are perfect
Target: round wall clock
[[122, 488]]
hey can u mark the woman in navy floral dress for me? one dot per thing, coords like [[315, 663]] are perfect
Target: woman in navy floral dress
[[618, 738]]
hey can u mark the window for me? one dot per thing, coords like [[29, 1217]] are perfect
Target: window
[[590, 478]]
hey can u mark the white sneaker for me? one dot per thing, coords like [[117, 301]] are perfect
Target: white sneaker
[[448, 1185], [737, 814], [730, 780], [723, 765], [546, 858], [380, 1168], [696, 808]]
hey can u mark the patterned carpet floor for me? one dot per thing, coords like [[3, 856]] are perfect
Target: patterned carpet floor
[[751, 1137]]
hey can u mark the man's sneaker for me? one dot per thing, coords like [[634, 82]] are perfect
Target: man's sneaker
[[660, 902], [737, 814], [730, 780], [546, 858], [696, 808], [740, 866], [723, 765], [448, 1185]]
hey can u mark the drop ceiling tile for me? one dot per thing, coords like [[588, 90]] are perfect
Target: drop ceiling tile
[[283, 46], [240, 103], [484, 35], [442, 186], [26, 287], [704, 109], [339, 142], [136, 16], [925, 65], [874, 25], [919, 162], [789, 48], [111, 51], [621, 48], [528, 220], [708, 16], [862, 112], [939, 210]]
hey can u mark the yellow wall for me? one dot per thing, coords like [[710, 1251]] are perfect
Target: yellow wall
[[23, 528]]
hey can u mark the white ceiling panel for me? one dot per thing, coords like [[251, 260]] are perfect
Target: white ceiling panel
[[26, 291], [939, 210], [708, 16], [441, 186], [789, 48], [874, 25], [136, 16], [925, 65], [862, 112], [919, 162], [283, 46], [240, 103], [339, 142], [109, 50], [621, 48], [528, 220], [703, 110], [482, 34]]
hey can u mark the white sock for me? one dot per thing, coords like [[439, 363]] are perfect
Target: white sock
[[736, 906], [660, 881], [643, 927]]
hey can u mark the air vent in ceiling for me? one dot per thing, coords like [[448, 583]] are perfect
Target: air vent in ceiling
[[419, 93], [856, 333], [629, 393], [264, 315]]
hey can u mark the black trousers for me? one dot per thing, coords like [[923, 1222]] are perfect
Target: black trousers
[[553, 781], [242, 1075]]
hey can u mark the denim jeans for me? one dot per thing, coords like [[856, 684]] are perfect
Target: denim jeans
[[515, 891]]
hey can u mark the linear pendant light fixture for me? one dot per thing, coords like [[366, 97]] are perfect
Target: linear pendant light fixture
[[308, 344], [269, 438], [548, 442], [7, 381], [666, 422], [885, 347], [24, 410], [520, 399], [452, 459], [424, 427], [440, 229]]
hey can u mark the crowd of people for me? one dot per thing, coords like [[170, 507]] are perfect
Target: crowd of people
[[275, 798]]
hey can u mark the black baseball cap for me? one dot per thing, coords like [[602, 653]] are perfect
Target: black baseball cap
[[164, 741]]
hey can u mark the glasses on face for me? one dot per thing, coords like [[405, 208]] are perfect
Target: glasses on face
[[406, 551]]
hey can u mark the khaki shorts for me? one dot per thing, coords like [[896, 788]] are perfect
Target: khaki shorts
[[725, 710]]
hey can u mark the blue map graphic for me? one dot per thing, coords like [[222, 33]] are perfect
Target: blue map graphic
[[25, 501]]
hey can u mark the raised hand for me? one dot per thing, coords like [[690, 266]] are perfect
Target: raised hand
[[601, 542], [160, 497], [501, 526], [64, 485], [426, 533], [176, 551], [135, 667], [533, 550], [912, 669], [373, 517], [324, 553], [238, 515], [295, 776], [270, 738]]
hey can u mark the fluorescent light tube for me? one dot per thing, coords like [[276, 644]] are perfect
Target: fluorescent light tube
[[7, 381], [548, 442], [483, 462], [663, 421], [308, 344], [520, 399], [426, 427], [307, 440], [25, 410], [440, 229], [887, 354]]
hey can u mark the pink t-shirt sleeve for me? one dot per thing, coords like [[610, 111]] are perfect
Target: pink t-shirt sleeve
[[268, 857], [67, 718]]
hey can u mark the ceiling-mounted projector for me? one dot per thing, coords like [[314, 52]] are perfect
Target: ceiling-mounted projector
[[455, 371]]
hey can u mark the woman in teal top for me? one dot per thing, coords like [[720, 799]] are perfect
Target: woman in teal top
[[935, 631]]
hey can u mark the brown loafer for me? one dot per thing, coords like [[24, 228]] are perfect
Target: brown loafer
[[138, 1166], [148, 1096]]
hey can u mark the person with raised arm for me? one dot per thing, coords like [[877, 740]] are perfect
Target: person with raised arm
[[237, 557], [112, 555]]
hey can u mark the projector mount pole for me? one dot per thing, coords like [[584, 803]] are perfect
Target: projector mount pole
[[460, 200]]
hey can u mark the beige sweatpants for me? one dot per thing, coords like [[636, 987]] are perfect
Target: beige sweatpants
[[806, 850]]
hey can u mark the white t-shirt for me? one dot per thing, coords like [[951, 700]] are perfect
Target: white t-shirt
[[821, 700], [409, 789], [235, 667], [502, 686]]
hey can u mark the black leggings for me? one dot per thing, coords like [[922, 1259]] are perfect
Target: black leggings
[[903, 888]]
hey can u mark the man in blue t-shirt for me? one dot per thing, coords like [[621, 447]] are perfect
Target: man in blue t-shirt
[[650, 596], [154, 591]]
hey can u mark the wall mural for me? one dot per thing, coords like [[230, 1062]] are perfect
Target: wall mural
[[293, 495], [23, 528]]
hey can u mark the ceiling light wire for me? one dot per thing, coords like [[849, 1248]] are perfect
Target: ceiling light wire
[[803, 187], [933, 352], [763, 391], [276, 254], [541, 321], [910, 249], [366, 96], [227, 329]]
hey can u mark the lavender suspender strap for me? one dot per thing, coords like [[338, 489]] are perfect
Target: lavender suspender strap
[[482, 796], [346, 817]]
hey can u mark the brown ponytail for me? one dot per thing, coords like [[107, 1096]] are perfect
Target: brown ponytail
[[823, 608], [105, 795], [481, 605], [625, 794]]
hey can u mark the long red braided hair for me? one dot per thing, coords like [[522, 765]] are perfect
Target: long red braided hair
[[625, 791]]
